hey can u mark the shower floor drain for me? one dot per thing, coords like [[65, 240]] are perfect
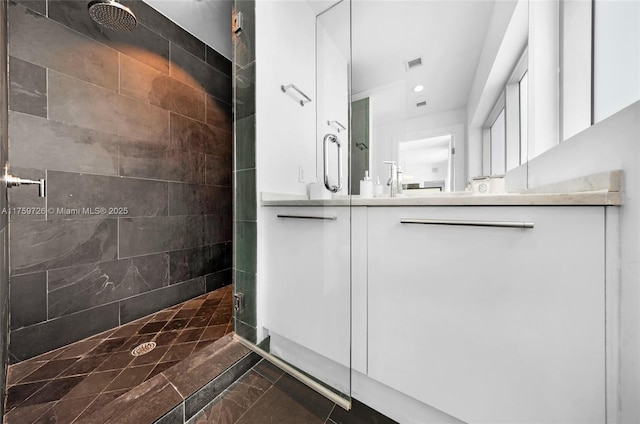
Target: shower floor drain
[[144, 348]]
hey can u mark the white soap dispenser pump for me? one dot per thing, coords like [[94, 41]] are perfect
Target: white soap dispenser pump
[[366, 186]]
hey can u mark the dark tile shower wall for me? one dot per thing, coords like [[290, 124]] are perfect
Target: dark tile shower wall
[[245, 218], [4, 263], [138, 121]]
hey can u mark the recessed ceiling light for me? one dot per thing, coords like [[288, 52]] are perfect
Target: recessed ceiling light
[[418, 88]]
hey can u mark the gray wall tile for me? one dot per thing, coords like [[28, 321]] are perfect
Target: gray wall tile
[[218, 279], [246, 143], [218, 61], [70, 193], [190, 263], [25, 204], [28, 87], [219, 228], [39, 6], [147, 303], [245, 99], [192, 199], [189, 69], [246, 283], [245, 51], [197, 136], [28, 299], [157, 22], [39, 143], [30, 341], [145, 83], [217, 170], [145, 160], [40, 245], [109, 112], [141, 236], [244, 243], [219, 114], [86, 286], [44, 42], [245, 195], [141, 43], [4, 263]]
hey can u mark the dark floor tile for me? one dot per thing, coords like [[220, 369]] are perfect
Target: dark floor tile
[[15, 373], [50, 370], [117, 361], [80, 348], [178, 352], [315, 403], [160, 368], [152, 327], [109, 346], [227, 380], [54, 390], [219, 319], [192, 335], [202, 344], [130, 377], [26, 414], [175, 416], [86, 365], [167, 338], [206, 311], [213, 332], [19, 393], [100, 401], [199, 321], [65, 411], [234, 402], [93, 384], [176, 324], [163, 316], [359, 414], [185, 313], [151, 358], [268, 371], [126, 331]]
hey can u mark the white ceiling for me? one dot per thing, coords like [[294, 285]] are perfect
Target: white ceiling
[[447, 34]]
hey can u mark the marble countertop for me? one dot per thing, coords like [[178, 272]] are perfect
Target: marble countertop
[[603, 189]]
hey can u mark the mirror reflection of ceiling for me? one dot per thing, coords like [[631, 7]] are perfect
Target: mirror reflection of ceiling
[[448, 35]]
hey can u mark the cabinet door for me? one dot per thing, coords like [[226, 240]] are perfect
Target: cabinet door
[[491, 325], [306, 288]]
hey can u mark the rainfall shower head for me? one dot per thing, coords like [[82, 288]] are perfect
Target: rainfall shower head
[[113, 15]]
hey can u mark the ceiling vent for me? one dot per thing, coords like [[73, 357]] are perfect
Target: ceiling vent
[[413, 63], [421, 104]]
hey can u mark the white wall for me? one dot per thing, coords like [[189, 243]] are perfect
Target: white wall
[[611, 144], [616, 56], [285, 54], [209, 21]]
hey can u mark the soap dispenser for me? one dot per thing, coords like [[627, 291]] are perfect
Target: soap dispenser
[[366, 186], [378, 189]]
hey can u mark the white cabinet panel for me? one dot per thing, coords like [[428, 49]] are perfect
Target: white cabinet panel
[[491, 325], [307, 274]]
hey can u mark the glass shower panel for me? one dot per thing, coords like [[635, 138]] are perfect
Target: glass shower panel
[[302, 295]]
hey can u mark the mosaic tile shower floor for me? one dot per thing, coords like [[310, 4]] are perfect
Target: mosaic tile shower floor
[[74, 381]]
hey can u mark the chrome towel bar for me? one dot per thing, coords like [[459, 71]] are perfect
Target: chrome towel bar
[[329, 218], [307, 99], [337, 125], [500, 224]]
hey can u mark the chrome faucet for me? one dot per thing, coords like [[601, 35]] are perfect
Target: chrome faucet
[[392, 182], [12, 181]]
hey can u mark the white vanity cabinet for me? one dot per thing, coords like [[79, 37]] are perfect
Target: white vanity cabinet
[[306, 299], [490, 324]]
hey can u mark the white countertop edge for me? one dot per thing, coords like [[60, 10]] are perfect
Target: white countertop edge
[[590, 198]]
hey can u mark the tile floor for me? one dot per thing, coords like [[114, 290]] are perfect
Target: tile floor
[[74, 381], [266, 394]]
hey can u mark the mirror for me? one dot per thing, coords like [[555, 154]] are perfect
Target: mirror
[[427, 77]]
